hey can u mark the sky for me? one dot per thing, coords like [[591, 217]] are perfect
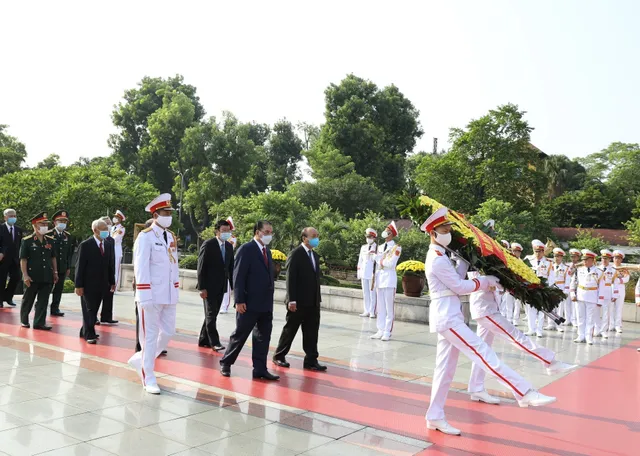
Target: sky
[[572, 65]]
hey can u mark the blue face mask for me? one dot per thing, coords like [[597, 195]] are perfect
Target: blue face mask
[[104, 234], [314, 242], [225, 236], [12, 220]]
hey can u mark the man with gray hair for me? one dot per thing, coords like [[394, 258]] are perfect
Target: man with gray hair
[[106, 314], [10, 239], [95, 277]]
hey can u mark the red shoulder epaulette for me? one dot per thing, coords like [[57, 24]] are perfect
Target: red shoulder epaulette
[[438, 253]]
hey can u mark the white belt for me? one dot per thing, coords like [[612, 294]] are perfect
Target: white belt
[[441, 294]]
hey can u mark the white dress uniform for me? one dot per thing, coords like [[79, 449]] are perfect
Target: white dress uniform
[[117, 233], [562, 273], [366, 261], [608, 272], [155, 266], [226, 299], [542, 268], [484, 310], [620, 280], [386, 283], [586, 289]]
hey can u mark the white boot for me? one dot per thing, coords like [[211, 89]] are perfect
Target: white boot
[[377, 335], [442, 426], [365, 314], [136, 362], [152, 389], [558, 366], [535, 399], [485, 397]]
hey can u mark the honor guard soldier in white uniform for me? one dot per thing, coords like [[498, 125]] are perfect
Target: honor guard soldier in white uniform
[[117, 233], [602, 320], [155, 266], [503, 293], [543, 268], [386, 282], [562, 281], [620, 280], [366, 271], [513, 306], [446, 285], [587, 290], [570, 315], [226, 299], [491, 324]]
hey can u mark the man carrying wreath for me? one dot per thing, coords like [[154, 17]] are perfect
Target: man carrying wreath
[[446, 284]]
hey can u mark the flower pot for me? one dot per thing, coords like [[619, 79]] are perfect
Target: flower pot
[[277, 267], [413, 285]]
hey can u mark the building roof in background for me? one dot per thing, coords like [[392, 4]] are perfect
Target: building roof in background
[[612, 237]]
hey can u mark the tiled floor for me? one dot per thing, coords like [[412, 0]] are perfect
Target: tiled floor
[[59, 396]]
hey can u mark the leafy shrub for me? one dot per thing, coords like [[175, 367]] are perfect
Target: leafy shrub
[[69, 286], [189, 262]]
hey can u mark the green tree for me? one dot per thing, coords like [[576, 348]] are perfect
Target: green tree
[[87, 192], [414, 243], [350, 195], [283, 153], [50, 161], [12, 152], [563, 175], [131, 117], [586, 239], [513, 226], [375, 128], [354, 237], [331, 226]]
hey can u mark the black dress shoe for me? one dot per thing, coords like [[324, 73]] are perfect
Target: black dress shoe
[[204, 345], [43, 328], [97, 336], [281, 362], [12, 304], [109, 322], [225, 370], [163, 352], [57, 314], [92, 341], [266, 376], [25, 325], [218, 347], [98, 322], [315, 367]]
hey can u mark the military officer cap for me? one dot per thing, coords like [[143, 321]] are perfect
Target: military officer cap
[[516, 246], [39, 217], [586, 253], [606, 253], [537, 245], [120, 215], [505, 244], [618, 253], [558, 251], [371, 232], [230, 222], [574, 252], [61, 214], [162, 202], [438, 218]]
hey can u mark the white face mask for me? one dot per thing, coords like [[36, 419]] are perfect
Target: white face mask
[[443, 239], [62, 226], [43, 229], [385, 234], [266, 239], [369, 241], [164, 221], [115, 220]]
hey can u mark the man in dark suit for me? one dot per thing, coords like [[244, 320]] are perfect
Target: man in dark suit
[[10, 239], [303, 302], [215, 271], [95, 277], [253, 276], [106, 314]]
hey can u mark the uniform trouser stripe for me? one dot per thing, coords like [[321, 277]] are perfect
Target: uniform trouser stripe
[[143, 334], [486, 363], [518, 343]]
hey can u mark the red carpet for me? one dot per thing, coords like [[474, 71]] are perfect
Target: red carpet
[[597, 413]]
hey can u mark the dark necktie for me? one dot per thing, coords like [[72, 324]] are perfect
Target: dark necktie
[[223, 247], [12, 236], [101, 249], [312, 262], [164, 234], [385, 247], [264, 254]]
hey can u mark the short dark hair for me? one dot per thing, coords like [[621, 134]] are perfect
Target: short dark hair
[[260, 224], [221, 223]]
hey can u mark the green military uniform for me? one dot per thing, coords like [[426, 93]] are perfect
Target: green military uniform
[[38, 255], [63, 246]]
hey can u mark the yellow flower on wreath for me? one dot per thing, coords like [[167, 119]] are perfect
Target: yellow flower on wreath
[[277, 255], [410, 265]]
